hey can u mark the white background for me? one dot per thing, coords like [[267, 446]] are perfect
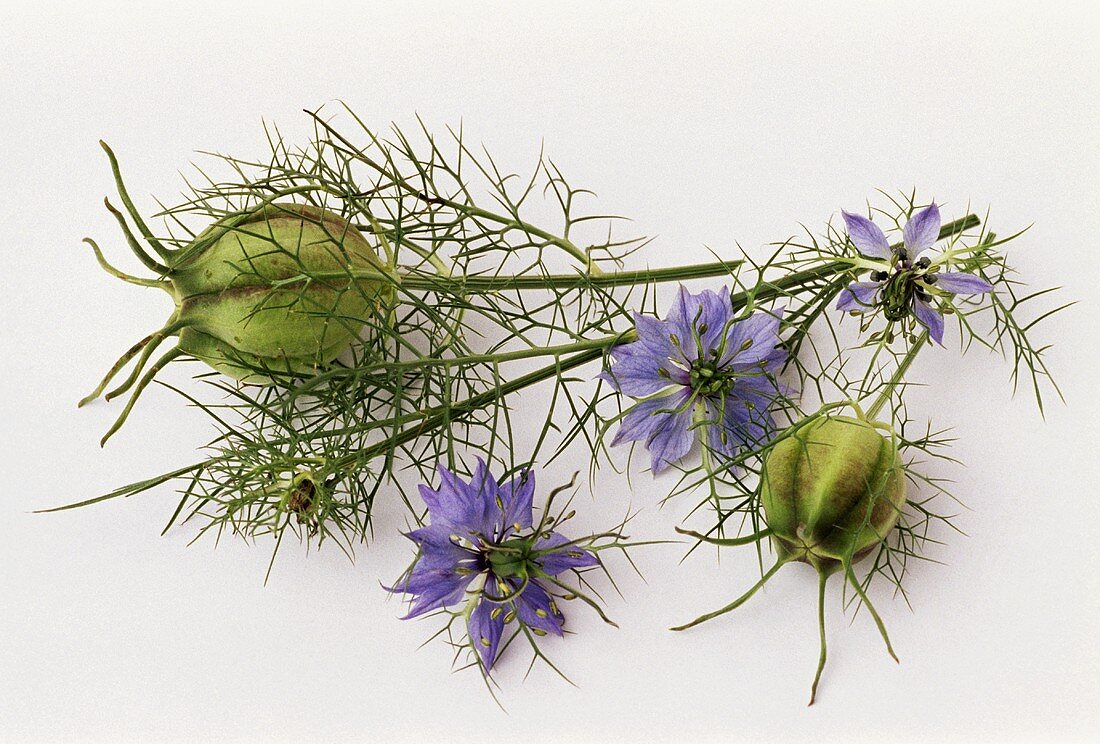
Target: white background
[[708, 125]]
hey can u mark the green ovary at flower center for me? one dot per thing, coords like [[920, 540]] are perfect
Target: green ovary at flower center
[[902, 287], [511, 559], [708, 379]]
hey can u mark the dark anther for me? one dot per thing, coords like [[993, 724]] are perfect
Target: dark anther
[[930, 278], [924, 263], [879, 276]]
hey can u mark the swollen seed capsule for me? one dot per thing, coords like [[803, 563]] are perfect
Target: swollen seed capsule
[[832, 492], [282, 289], [248, 300]]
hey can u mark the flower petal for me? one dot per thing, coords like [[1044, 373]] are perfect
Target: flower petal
[[930, 318], [561, 555], [450, 503], [485, 628], [517, 495], [738, 422], [646, 416], [486, 511], [752, 340], [437, 546], [536, 609], [433, 588], [957, 282], [705, 315], [858, 296], [673, 437], [653, 334], [866, 235], [922, 230], [637, 372]]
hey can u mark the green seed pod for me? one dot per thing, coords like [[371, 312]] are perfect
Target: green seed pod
[[831, 493], [282, 289], [240, 302]]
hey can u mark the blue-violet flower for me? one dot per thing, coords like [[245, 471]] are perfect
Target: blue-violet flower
[[906, 285], [482, 551], [699, 368]]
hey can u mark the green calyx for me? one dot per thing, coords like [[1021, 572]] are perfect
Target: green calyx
[[832, 492]]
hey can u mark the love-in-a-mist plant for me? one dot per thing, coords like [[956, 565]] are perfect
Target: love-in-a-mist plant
[[367, 311]]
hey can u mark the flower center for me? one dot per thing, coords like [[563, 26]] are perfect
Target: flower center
[[907, 282], [708, 379], [510, 559]]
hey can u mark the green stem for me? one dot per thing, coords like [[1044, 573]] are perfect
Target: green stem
[[737, 602], [552, 281], [823, 578], [899, 374], [439, 416], [730, 541], [512, 222]]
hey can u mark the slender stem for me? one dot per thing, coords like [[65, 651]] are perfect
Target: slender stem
[[899, 374], [514, 222], [439, 416], [823, 578], [851, 576], [551, 281], [559, 350], [737, 602], [465, 208], [727, 542]]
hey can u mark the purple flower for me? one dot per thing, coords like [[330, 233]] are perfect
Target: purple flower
[[698, 368], [903, 287], [482, 550]]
